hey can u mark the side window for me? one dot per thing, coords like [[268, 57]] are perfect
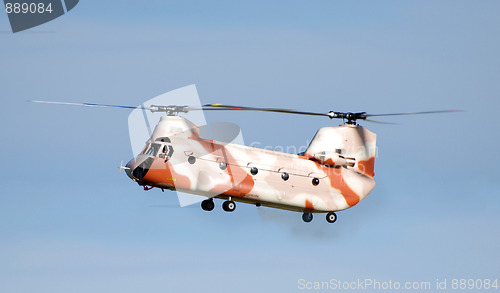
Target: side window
[[146, 148], [155, 148], [152, 149], [166, 151]]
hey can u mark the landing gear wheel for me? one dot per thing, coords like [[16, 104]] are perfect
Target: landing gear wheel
[[331, 217], [307, 217], [229, 206], [207, 204]]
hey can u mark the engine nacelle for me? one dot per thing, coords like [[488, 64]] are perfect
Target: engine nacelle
[[346, 145]]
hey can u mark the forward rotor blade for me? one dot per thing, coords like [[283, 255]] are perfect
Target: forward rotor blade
[[278, 110], [413, 113], [91, 105], [151, 108]]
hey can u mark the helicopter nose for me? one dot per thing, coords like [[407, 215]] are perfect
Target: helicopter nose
[[129, 167], [139, 167], [131, 164]]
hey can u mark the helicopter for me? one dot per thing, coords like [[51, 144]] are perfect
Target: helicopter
[[335, 172]]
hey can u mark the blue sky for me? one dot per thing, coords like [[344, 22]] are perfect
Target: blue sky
[[70, 222]]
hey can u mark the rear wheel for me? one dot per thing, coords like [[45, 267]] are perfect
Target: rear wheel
[[331, 217], [229, 206], [307, 217]]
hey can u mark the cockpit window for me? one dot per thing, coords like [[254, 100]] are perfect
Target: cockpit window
[[152, 149]]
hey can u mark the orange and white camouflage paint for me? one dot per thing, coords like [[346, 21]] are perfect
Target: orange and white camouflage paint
[[335, 173]]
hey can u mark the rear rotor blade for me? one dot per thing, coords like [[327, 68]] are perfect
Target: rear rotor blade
[[379, 122], [278, 110], [413, 113]]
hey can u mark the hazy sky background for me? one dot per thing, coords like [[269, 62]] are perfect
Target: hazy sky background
[[70, 222]]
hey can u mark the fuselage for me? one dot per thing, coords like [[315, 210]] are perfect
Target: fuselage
[[334, 173]]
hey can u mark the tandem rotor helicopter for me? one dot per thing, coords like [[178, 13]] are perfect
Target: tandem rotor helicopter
[[334, 173]]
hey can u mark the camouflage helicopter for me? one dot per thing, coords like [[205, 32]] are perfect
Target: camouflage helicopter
[[334, 173]]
